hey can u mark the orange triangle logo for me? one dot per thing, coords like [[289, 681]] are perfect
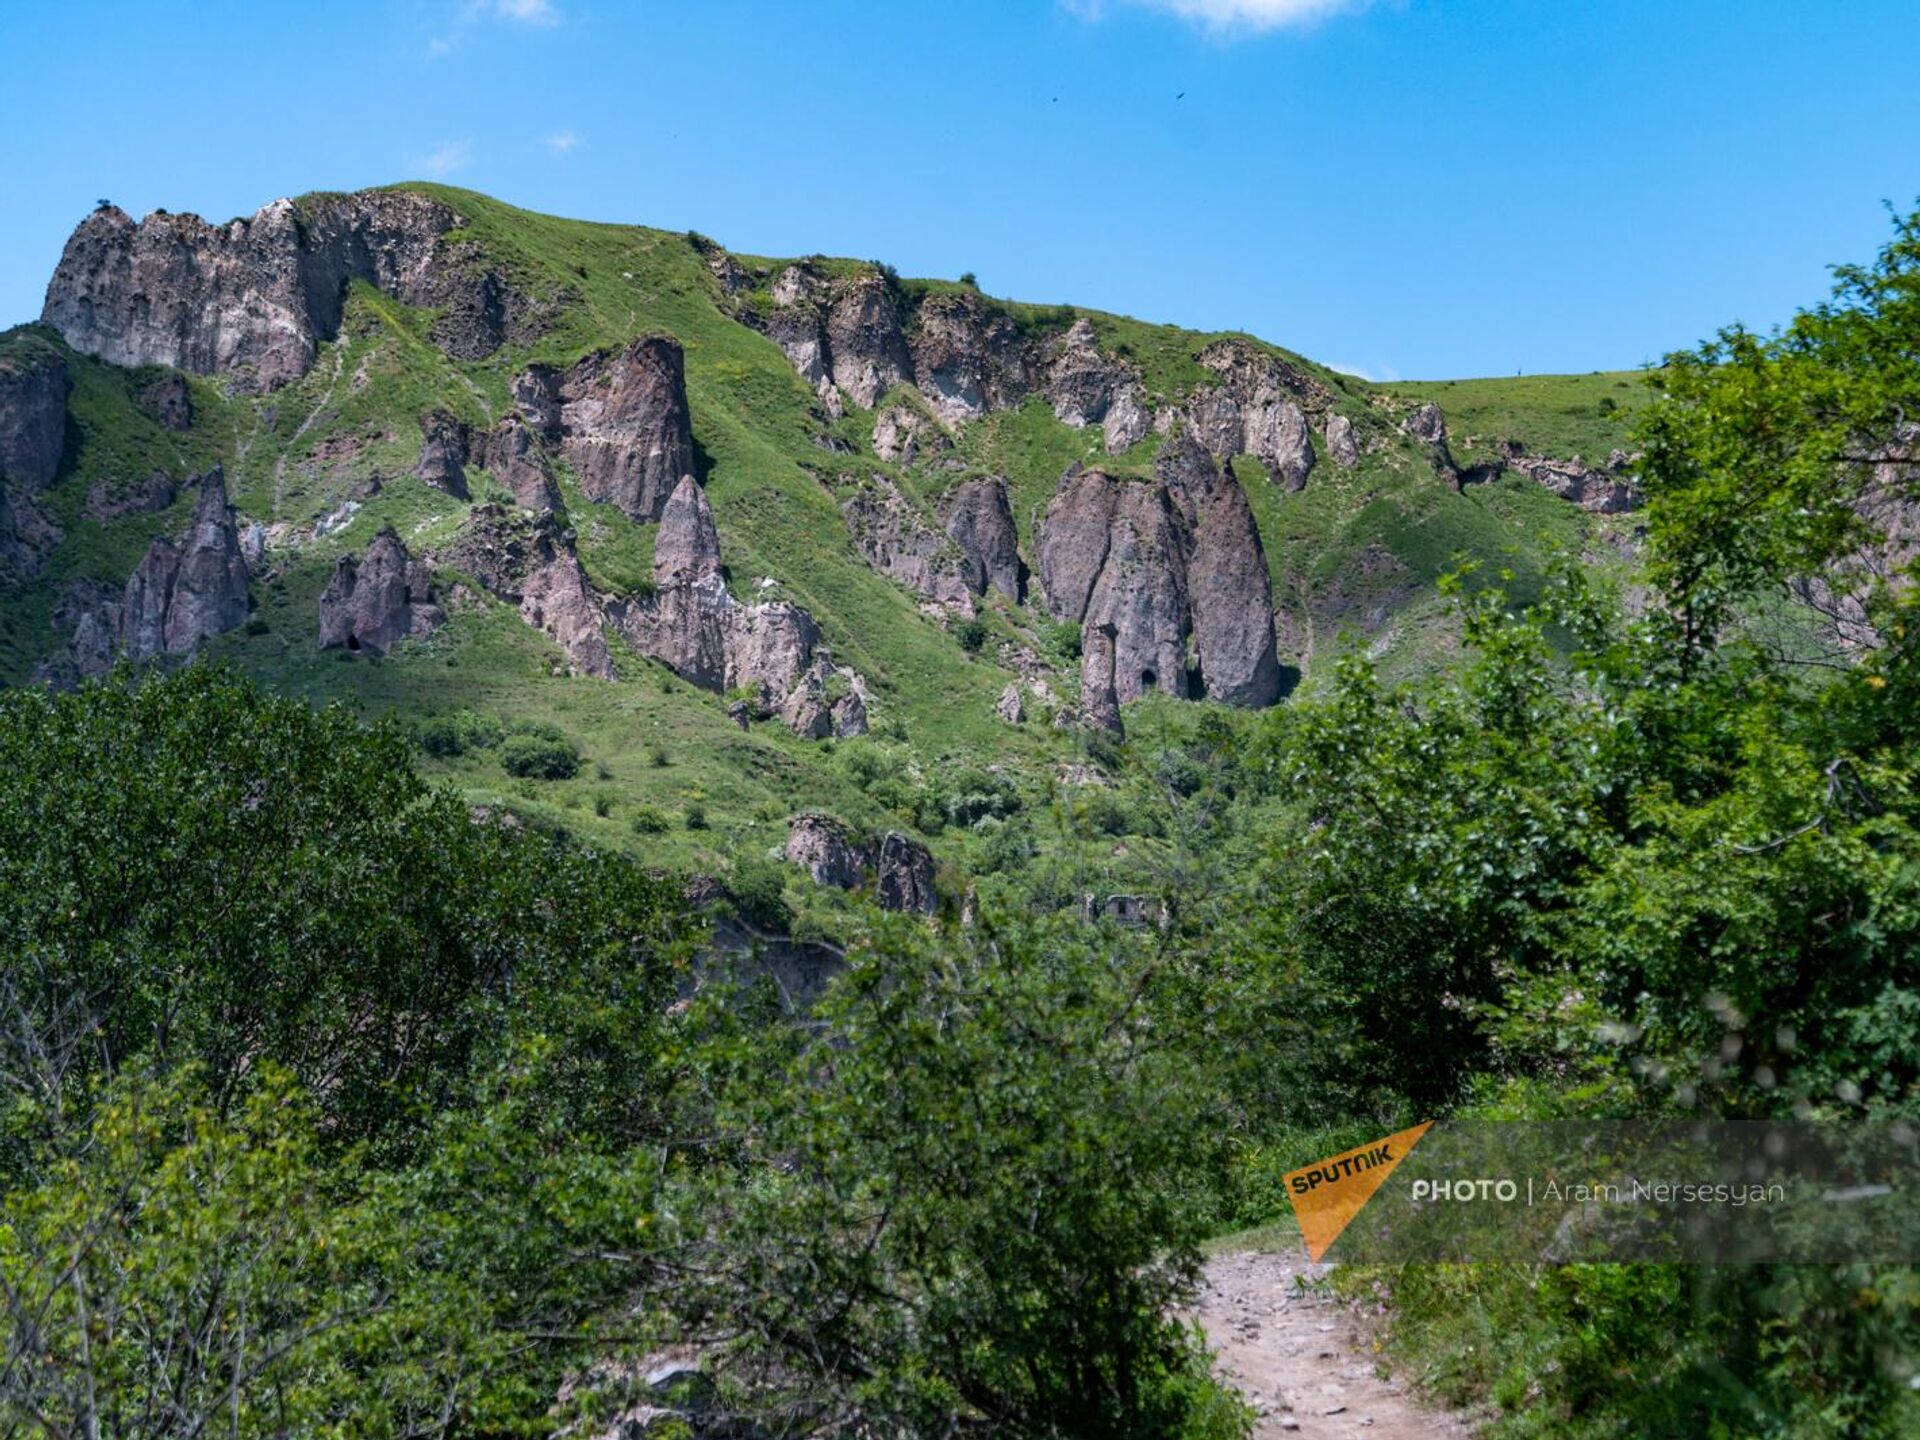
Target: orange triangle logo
[[1327, 1194]]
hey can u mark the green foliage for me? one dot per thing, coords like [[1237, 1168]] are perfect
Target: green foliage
[[895, 1247], [539, 757], [758, 888]]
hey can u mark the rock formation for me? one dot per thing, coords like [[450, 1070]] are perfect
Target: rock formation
[[168, 401], [1428, 427], [620, 418], [894, 538], [253, 297], [904, 875], [1343, 444], [900, 868], [443, 454], [34, 386], [1087, 387], [1602, 490], [375, 602], [530, 562], [852, 338], [980, 522], [180, 593], [1145, 566], [510, 453], [692, 623], [902, 434], [1260, 407]]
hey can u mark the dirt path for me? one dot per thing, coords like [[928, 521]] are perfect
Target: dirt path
[[1303, 1360]]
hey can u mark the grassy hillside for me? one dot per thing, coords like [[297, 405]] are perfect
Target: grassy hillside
[[1353, 558]]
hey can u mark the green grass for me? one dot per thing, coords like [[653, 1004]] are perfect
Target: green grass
[[1561, 416]]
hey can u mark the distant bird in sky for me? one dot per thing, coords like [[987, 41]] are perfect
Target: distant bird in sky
[[1181, 96]]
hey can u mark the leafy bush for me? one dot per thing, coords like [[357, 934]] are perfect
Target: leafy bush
[[971, 633], [649, 821], [758, 888], [539, 757]]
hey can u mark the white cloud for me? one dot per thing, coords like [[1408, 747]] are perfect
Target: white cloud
[[527, 12], [543, 14], [1375, 374], [1231, 17], [447, 157], [561, 141]]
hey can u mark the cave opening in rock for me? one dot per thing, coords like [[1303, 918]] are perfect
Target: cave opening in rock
[[353, 642], [1148, 679]]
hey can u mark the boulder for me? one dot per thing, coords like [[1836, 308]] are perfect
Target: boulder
[[373, 603], [980, 521], [1229, 591], [1012, 706]]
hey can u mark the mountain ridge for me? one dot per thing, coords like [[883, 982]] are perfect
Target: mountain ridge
[[879, 455]]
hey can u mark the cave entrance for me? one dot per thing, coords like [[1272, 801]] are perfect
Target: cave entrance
[[1148, 679], [353, 642]]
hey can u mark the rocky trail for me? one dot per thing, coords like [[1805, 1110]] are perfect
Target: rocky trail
[[1304, 1360]]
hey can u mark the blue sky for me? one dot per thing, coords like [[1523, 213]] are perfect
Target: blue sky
[[1408, 188]]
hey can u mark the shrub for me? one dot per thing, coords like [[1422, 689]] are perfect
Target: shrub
[[971, 634], [759, 888], [649, 821], [539, 757], [696, 816]]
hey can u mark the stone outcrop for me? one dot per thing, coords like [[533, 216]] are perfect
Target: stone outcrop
[[252, 298], [772, 650], [620, 419], [168, 401], [180, 594], [1598, 489], [896, 539], [980, 522], [1343, 442], [1085, 387], [1135, 563], [109, 501], [1260, 407], [373, 603], [904, 876], [854, 337], [1428, 427], [511, 452], [969, 357], [1228, 588], [530, 562], [900, 869], [443, 454], [1011, 707], [821, 845], [34, 386], [902, 434]]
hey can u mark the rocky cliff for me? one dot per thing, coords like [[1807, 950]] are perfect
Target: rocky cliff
[[253, 298], [620, 419], [34, 386], [530, 562]]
